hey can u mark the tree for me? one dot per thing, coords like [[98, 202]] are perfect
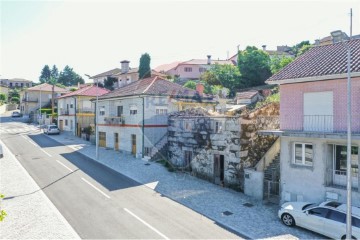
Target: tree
[[68, 77], [190, 84], [45, 74], [144, 67], [2, 212], [254, 65], [296, 48], [226, 75], [278, 63], [303, 49], [54, 72], [109, 83], [3, 97]]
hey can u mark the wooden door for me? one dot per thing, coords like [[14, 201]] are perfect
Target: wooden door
[[102, 139], [133, 144], [116, 141]]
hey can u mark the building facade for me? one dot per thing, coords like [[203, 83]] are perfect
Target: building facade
[[313, 124], [16, 83]]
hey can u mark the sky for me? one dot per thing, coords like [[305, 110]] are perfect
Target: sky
[[94, 36]]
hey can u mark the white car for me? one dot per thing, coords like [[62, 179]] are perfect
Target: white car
[[51, 129], [327, 218]]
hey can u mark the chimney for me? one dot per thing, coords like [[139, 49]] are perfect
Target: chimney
[[200, 88], [124, 66], [264, 47], [317, 42], [208, 59], [78, 85]]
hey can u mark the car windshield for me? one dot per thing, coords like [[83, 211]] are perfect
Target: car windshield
[[53, 127], [310, 205]]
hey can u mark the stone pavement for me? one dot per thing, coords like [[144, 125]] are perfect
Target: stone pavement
[[30, 214], [257, 221]]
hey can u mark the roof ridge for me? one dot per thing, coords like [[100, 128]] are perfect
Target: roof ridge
[[152, 82]]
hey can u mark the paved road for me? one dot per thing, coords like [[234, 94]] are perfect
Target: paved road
[[97, 201]]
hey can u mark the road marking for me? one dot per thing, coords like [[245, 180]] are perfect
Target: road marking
[[96, 188], [30, 141], [145, 223], [64, 166]]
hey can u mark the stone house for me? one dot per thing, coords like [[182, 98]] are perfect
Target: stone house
[[134, 118], [75, 109], [206, 144], [313, 124]]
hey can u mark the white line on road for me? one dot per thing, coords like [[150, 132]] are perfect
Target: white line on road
[[96, 188], [64, 166], [148, 225], [36, 145]]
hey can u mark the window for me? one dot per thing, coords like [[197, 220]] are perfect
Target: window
[[133, 112], [341, 159], [202, 69], [218, 127], [71, 105], [188, 69], [320, 212], [161, 111], [102, 111], [66, 122], [337, 216], [147, 151], [303, 154], [120, 111]]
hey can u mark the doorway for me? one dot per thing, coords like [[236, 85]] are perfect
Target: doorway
[[116, 141], [61, 125], [102, 139], [133, 144], [219, 169]]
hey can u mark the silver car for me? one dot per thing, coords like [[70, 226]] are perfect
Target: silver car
[[51, 129], [327, 218]]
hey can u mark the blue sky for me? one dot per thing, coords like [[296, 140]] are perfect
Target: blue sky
[[94, 36]]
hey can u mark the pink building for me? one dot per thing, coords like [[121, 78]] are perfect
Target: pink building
[[193, 68], [313, 124]]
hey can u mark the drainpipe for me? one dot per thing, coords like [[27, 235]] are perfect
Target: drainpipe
[[75, 102], [143, 128]]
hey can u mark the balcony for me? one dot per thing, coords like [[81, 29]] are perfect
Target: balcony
[[338, 178], [114, 120], [314, 125], [85, 110]]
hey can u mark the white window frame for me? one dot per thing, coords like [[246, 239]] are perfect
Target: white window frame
[[102, 111], [188, 69], [303, 163], [161, 111]]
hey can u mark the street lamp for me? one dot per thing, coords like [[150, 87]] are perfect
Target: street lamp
[[96, 119], [338, 35]]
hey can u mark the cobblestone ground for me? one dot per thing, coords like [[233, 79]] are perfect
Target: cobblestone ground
[[258, 221], [30, 214]]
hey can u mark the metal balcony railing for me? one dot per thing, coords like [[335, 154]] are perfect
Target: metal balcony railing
[[85, 110], [319, 123], [114, 120]]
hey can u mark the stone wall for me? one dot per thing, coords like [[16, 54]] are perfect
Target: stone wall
[[254, 146], [205, 136]]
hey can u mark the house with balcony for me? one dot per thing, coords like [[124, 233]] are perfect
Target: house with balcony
[[75, 109], [134, 118], [31, 99], [313, 124]]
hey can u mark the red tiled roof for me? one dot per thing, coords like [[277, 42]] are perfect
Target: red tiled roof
[[167, 67], [90, 91], [321, 61], [151, 86], [47, 87]]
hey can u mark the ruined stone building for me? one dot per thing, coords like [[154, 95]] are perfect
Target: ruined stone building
[[206, 144]]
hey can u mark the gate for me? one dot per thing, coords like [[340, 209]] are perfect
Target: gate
[[272, 191]]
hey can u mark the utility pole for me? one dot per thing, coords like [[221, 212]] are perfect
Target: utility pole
[[348, 154]]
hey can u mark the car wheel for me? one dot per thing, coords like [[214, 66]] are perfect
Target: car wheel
[[288, 220], [344, 237]]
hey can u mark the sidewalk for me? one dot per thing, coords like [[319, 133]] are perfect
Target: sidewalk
[[256, 221], [30, 214]]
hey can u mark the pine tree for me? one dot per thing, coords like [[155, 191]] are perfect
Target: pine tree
[[144, 67], [45, 74]]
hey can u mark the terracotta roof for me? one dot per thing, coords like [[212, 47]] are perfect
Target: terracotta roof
[[321, 61], [152, 86], [47, 87], [90, 91], [108, 73], [204, 62], [167, 67], [246, 95]]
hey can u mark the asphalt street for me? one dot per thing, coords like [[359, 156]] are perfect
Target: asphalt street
[[97, 201]]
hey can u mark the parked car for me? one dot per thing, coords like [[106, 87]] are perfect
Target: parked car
[[327, 218], [16, 114], [51, 129]]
